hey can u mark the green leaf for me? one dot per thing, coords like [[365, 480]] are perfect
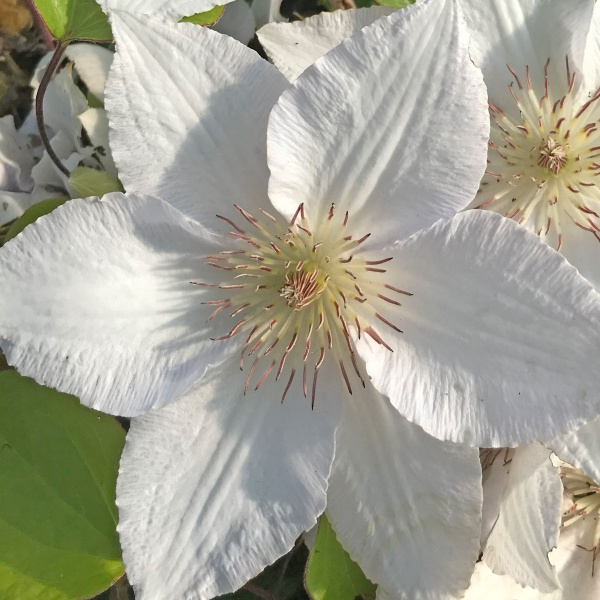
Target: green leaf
[[58, 468], [330, 573], [33, 213], [70, 20], [396, 3], [210, 17], [89, 182]]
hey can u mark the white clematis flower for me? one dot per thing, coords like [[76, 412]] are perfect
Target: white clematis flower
[[545, 539], [234, 463], [539, 62]]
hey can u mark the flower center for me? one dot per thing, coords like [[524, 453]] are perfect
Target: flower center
[[585, 495], [552, 156], [543, 166], [299, 296]]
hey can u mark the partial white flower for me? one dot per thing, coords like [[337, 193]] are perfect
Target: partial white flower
[[539, 63], [77, 133], [546, 539], [262, 331]]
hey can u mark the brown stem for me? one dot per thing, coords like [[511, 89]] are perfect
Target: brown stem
[[39, 105], [47, 37]]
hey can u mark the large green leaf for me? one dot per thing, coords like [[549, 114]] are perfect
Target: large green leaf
[[70, 20], [58, 468], [210, 17], [86, 181], [33, 213], [330, 573]]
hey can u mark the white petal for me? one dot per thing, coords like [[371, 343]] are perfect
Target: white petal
[[167, 10], [486, 585], [494, 480], [591, 56], [92, 63], [293, 47], [406, 506], [500, 337], [526, 32], [62, 103], [397, 137], [574, 561], [267, 11], [16, 158], [95, 123], [101, 304], [13, 205], [237, 21], [188, 111], [216, 486], [527, 527], [581, 448]]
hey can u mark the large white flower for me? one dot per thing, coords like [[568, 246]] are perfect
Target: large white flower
[[261, 332]]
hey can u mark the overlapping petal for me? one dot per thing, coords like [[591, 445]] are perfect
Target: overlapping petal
[[183, 128], [500, 337], [216, 486], [293, 47], [528, 521], [406, 506], [114, 318], [526, 32], [397, 146]]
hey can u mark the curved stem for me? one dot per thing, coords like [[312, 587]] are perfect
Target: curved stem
[[39, 105]]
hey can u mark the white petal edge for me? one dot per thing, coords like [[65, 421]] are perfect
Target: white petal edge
[[398, 138], [527, 526], [500, 337], [406, 506], [198, 138], [526, 32], [216, 486], [101, 304], [293, 47]]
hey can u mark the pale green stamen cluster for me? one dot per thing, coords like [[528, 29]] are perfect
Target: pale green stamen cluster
[[544, 166], [298, 296]]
